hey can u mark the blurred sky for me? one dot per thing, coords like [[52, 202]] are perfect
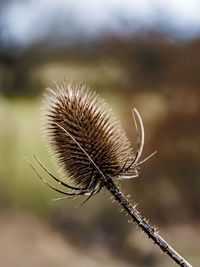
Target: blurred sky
[[25, 22]]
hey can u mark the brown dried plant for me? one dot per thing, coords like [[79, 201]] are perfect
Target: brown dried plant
[[93, 150]]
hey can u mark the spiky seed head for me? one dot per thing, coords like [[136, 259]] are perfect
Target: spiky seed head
[[86, 117]]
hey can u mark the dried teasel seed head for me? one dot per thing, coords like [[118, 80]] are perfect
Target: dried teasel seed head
[[93, 149], [73, 109]]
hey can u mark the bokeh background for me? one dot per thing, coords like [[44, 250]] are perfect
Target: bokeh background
[[143, 54]]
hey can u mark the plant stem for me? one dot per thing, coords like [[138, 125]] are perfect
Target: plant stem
[[150, 231]]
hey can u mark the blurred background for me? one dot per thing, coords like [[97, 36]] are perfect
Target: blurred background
[[143, 54]]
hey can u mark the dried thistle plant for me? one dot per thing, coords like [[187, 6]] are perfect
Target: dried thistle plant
[[93, 150]]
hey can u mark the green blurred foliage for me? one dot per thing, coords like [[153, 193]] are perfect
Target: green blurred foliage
[[158, 78]]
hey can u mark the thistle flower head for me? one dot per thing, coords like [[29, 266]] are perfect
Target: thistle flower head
[[73, 111]]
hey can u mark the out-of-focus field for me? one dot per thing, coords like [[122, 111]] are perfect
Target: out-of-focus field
[[39, 232]]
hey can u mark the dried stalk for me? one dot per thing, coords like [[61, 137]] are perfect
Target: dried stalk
[[142, 223]]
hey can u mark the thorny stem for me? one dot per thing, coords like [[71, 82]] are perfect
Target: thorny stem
[[150, 231]]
